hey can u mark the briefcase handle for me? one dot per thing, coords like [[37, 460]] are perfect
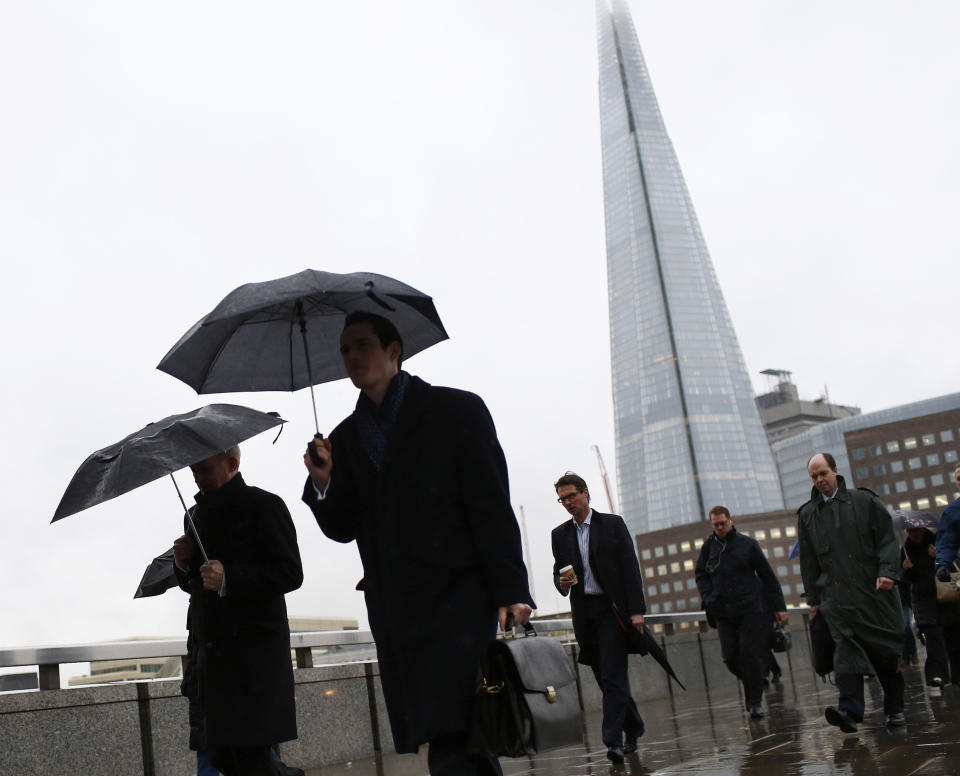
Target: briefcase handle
[[511, 630]]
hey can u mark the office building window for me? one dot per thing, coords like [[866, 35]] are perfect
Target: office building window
[[914, 463], [654, 608], [691, 584], [923, 503], [760, 535], [900, 486], [950, 456], [875, 450], [858, 454], [649, 572], [778, 552], [893, 447], [658, 551], [879, 470], [672, 549], [775, 533], [667, 606], [688, 565], [675, 567], [662, 568], [665, 588], [904, 505], [684, 546], [883, 489], [909, 443], [896, 466], [645, 554], [946, 436], [928, 439], [861, 472], [919, 483], [796, 568], [782, 570], [694, 602], [940, 500], [936, 480], [787, 589], [933, 459], [790, 530], [677, 585]]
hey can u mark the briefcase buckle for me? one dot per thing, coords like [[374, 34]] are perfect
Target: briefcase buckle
[[551, 694]]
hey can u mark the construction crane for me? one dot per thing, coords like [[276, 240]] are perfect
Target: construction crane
[[606, 480], [526, 553]]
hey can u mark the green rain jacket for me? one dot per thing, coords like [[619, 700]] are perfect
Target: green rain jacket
[[844, 546]]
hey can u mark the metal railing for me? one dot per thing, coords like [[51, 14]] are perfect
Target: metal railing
[[48, 659]]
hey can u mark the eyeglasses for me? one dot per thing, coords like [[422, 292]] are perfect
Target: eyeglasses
[[722, 523], [568, 497]]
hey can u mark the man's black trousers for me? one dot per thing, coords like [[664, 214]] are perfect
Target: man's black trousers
[[850, 686], [609, 644], [745, 644]]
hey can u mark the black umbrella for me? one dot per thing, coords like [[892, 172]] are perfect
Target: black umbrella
[[905, 518], [642, 642], [158, 577], [159, 449], [248, 342]]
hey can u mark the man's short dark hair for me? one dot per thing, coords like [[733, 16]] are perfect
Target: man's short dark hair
[[831, 462], [384, 329], [569, 478], [720, 510]]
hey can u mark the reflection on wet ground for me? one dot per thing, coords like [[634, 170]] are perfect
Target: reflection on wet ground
[[708, 733]]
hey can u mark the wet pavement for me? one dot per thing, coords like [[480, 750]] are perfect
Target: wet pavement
[[708, 733]]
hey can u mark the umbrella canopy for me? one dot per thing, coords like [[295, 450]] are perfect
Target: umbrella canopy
[[247, 343], [904, 519], [158, 577], [159, 449]]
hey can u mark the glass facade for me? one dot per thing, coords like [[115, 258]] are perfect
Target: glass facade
[[688, 434]]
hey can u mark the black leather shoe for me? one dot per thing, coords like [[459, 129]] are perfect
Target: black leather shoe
[[630, 740], [615, 754], [840, 719], [896, 720], [757, 712]]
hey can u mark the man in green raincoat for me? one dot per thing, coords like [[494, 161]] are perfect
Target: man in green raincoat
[[850, 561]]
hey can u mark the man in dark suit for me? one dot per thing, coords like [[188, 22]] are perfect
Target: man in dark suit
[[239, 636], [607, 578], [417, 478]]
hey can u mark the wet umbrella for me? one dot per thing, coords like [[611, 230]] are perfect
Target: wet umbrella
[[249, 341], [158, 577], [643, 643], [160, 449], [905, 518]]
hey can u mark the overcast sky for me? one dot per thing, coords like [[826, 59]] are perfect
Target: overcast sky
[[153, 156]]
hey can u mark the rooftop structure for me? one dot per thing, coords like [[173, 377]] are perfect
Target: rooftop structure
[[784, 414]]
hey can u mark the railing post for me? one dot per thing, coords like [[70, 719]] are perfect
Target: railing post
[[304, 657], [48, 676]]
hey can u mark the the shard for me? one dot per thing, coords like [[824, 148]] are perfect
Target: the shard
[[688, 434]]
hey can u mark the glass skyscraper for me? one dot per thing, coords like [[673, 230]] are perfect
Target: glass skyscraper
[[688, 433]]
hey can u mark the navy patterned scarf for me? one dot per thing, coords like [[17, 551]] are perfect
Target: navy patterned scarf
[[374, 424]]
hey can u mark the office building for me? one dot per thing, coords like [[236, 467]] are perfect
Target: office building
[[784, 414]]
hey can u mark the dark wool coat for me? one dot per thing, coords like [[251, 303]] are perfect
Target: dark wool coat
[[440, 547], [741, 581], [844, 546], [241, 641], [613, 562]]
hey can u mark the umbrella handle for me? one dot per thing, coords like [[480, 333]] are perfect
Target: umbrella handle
[[193, 527]]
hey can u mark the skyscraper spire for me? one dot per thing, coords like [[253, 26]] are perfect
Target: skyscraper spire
[[688, 433]]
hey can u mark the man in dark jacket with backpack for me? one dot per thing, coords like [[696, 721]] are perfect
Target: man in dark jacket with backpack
[[740, 591]]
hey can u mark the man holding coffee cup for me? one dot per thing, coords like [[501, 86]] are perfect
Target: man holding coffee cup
[[595, 563]]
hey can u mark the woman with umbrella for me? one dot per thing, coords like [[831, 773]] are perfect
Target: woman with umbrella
[[939, 623]]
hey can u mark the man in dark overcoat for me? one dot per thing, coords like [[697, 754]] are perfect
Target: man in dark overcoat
[[742, 596], [606, 597], [417, 478], [850, 562], [239, 635]]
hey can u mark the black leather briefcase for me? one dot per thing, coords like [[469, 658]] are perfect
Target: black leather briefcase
[[526, 698]]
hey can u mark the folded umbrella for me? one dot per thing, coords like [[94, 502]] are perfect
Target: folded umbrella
[[642, 642], [160, 449], [249, 341]]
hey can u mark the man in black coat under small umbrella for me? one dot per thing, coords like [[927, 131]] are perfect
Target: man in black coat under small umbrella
[[606, 588], [239, 636], [417, 478]]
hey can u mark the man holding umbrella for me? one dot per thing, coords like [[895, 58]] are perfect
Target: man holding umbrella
[[417, 478], [237, 615], [606, 596]]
